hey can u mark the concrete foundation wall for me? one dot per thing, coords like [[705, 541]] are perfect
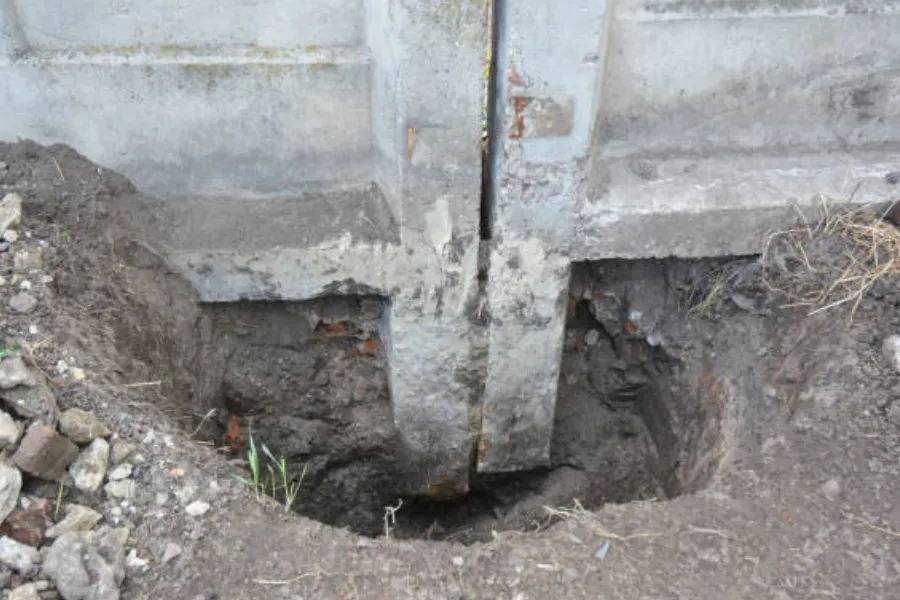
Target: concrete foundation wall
[[664, 128], [335, 146]]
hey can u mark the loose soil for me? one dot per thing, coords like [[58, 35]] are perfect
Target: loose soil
[[725, 446]]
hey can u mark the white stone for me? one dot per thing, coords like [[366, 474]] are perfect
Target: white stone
[[18, 556], [89, 469], [121, 489], [10, 431], [831, 489], [891, 349], [78, 519], [64, 565], [23, 303], [197, 508], [133, 561], [10, 211], [185, 494], [82, 426], [171, 552], [11, 236], [123, 471], [10, 488], [893, 412], [14, 372], [592, 337], [29, 591], [28, 260], [120, 451]]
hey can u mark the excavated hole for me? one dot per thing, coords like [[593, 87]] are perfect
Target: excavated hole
[[661, 377], [639, 416]]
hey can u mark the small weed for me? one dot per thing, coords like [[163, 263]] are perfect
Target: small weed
[[277, 478], [9, 350], [290, 484], [255, 481]]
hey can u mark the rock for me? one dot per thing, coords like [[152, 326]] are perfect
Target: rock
[[82, 426], [893, 413], [171, 552], [17, 556], [133, 561], [11, 236], [10, 211], [891, 349], [831, 489], [78, 519], [10, 487], [106, 557], [29, 525], [185, 494], [197, 508], [743, 302], [28, 260], [33, 403], [89, 469], [10, 432], [44, 453], [5, 577], [29, 591], [121, 489], [64, 565], [23, 302], [121, 451], [123, 471], [88, 567], [14, 372], [592, 337]]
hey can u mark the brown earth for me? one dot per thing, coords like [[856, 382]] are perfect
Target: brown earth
[[769, 438]]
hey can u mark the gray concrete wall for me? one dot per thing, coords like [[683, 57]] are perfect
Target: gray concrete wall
[[334, 146], [298, 149], [665, 128]]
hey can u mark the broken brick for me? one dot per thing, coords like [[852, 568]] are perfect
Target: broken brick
[[30, 525], [44, 453]]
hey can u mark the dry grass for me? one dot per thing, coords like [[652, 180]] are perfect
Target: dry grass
[[591, 519], [578, 513], [701, 296], [834, 262]]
